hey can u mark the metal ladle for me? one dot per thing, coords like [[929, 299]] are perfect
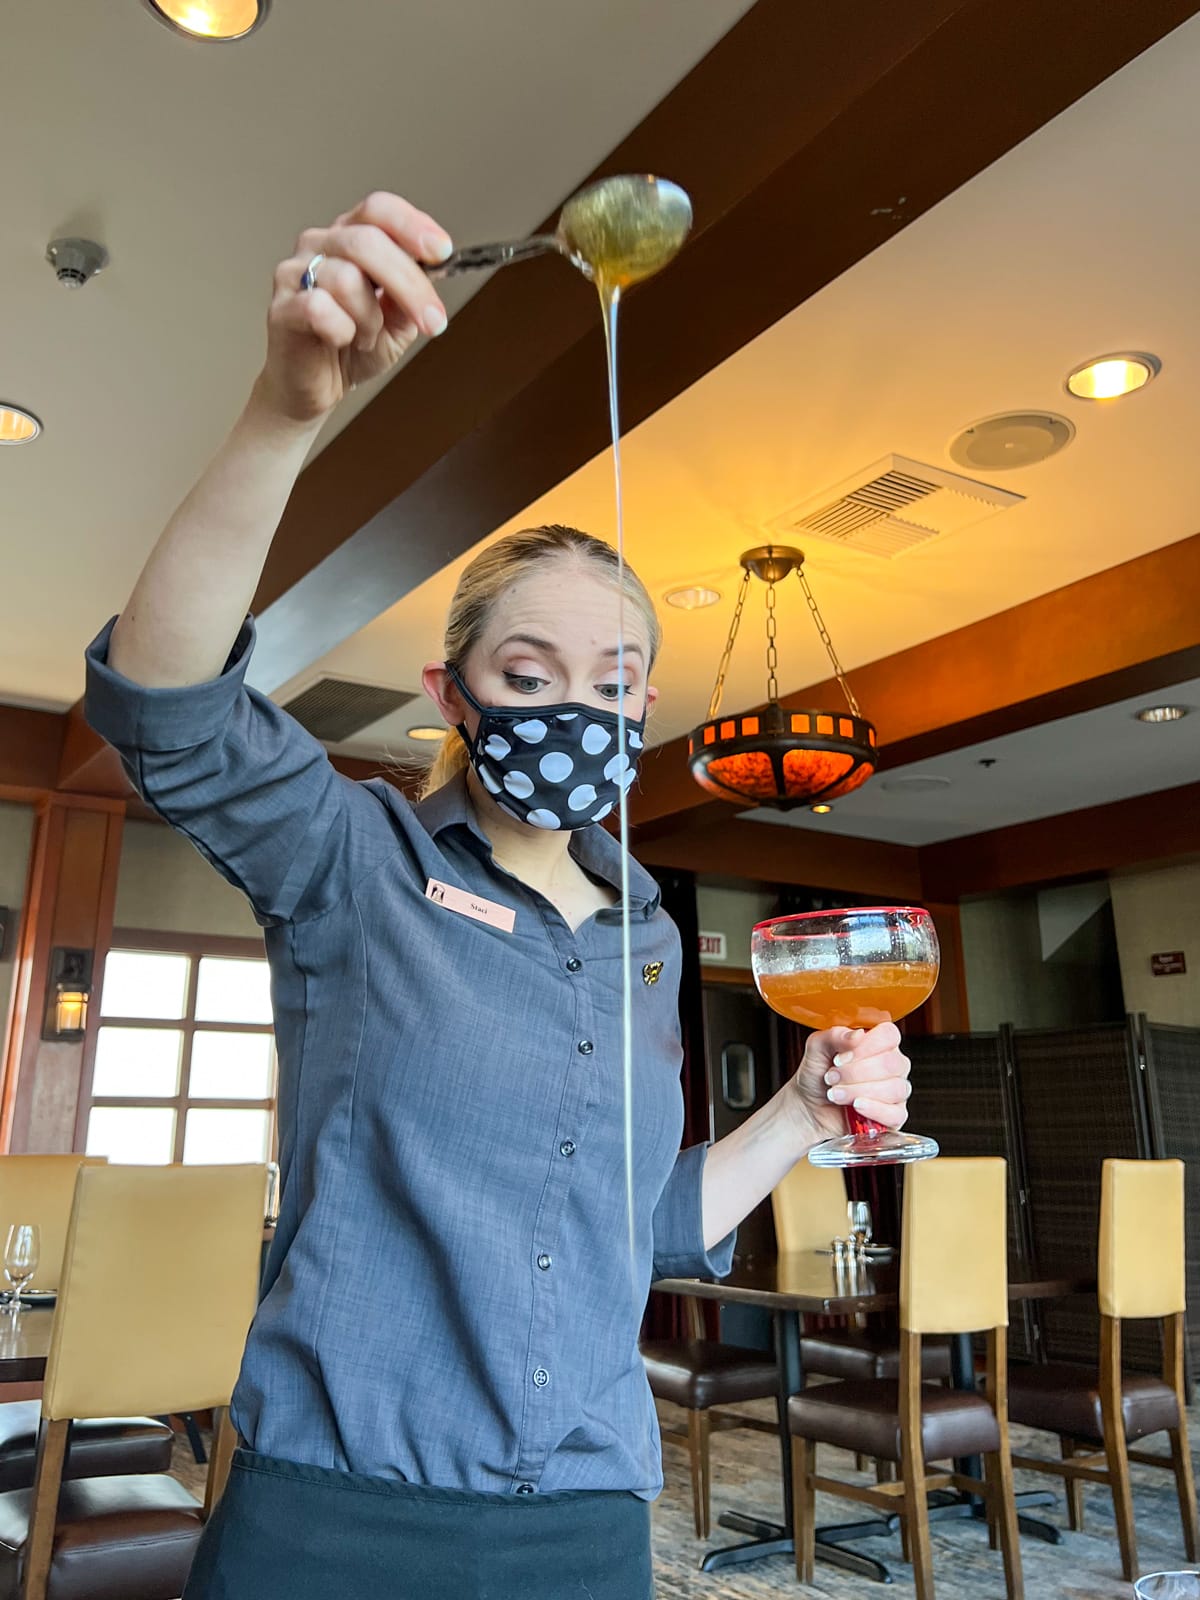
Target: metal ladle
[[617, 231]]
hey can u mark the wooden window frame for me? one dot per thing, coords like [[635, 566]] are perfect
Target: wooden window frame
[[196, 946]]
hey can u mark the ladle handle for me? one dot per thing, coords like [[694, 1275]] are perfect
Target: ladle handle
[[482, 257]]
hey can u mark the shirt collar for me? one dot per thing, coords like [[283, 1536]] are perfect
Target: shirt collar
[[595, 849]]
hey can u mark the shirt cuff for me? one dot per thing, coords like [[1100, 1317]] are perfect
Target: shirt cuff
[[133, 717], [679, 1224]]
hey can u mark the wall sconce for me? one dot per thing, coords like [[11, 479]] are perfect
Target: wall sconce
[[68, 993]]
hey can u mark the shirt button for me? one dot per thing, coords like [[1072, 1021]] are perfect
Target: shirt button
[[586, 1047], [574, 964], [524, 1488], [544, 1261], [567, 1147], [541, 1377]]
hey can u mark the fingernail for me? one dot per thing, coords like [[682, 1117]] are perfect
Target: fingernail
[[434, 321], [833, 1077], [838, 1096], [844, 1060], [436, 247], [860, 1105]]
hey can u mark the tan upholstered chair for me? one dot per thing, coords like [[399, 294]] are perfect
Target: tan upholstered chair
[[127, 1339], [1098, 1415], [41, 1189], [953, 1279], [810, 1211]]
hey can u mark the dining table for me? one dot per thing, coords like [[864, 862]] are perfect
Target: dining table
[[811, 1282], [25, 1344]]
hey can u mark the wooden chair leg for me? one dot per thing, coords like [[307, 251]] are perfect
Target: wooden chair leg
[[804, 1506], [915, 1506], [698, 1439], [1114, 1443], [905, 1547], [860, 1462], [1002, 1516], [224, 1443], [885, 1472], [1074, 1488], [43, 1517], [1181, 1455]]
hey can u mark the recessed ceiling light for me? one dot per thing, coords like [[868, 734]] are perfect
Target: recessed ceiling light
[[1162, 713], [692, 599], [1109, 377], [425, 733], [17, 426], [213, 20], [820, 811]]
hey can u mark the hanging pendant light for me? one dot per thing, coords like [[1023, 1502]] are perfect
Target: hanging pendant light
[[779, 757]]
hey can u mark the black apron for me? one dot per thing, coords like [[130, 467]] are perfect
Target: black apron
[[289, 1532]]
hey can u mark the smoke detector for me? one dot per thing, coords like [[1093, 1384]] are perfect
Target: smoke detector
[[76, 260]]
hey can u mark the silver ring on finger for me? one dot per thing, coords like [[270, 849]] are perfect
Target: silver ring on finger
[[308, 279]]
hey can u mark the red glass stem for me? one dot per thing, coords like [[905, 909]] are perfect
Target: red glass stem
[[863, 1127]]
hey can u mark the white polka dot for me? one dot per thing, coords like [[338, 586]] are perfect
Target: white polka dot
[[496, 747], [595, 738], [566, 716], [518, 784], [627, 778], [532, 732], [581, 798], [555, 766], [489, 779], [615, 766], [602, 813], [635, 739], [541, 818]]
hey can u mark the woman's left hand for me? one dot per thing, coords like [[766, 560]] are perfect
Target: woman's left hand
[[843, 1067]]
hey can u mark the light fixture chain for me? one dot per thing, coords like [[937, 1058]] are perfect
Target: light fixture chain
[[772, 652], [714, 705], [828, 643]]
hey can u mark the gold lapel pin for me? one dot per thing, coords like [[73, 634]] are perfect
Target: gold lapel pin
[[651, 972]]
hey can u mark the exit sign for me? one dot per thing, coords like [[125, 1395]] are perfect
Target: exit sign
[[1167, 963], [712, 947]]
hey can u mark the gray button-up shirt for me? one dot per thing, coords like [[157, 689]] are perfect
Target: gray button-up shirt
[[451, 1297]]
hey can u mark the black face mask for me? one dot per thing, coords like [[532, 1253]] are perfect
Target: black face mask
[[551, 766]]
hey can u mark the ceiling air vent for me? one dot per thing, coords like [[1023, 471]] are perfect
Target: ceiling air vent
[[335, 709], [892, 506]]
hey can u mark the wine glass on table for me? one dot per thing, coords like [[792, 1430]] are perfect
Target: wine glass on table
[[852, 969], [22, 1252]]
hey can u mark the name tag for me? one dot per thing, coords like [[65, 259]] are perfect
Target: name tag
[[471, 905]]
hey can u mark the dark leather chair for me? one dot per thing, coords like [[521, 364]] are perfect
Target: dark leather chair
[[120, 1343], [953, 1280], [703, 1376], [99, 1447], [1097, 1415]]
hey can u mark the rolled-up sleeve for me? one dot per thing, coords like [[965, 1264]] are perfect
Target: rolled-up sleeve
[[679, 1224], [252, 790]]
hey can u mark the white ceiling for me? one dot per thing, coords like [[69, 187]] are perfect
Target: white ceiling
[[1073, 245], [1090, 759], [197, 165]]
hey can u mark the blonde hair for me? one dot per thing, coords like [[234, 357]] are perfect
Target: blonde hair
[[495, 569]]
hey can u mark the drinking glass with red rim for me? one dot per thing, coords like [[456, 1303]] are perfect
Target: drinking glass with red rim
[[851, 969]]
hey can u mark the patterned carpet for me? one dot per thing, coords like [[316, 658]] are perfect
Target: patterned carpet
[[745, 1467]]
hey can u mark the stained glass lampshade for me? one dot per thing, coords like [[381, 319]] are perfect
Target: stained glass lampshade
[[780, 756]]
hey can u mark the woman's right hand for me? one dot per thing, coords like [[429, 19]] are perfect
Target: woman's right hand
[[371, 303]]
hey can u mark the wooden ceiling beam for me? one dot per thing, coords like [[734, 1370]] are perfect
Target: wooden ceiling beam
[[806, 137]]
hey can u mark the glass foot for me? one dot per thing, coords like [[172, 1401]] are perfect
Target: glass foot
[[887, 1149]]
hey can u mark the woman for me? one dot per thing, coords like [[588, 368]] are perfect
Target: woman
[[441, 1392]]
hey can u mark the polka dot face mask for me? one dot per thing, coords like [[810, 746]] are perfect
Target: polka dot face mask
[[551, 766]]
